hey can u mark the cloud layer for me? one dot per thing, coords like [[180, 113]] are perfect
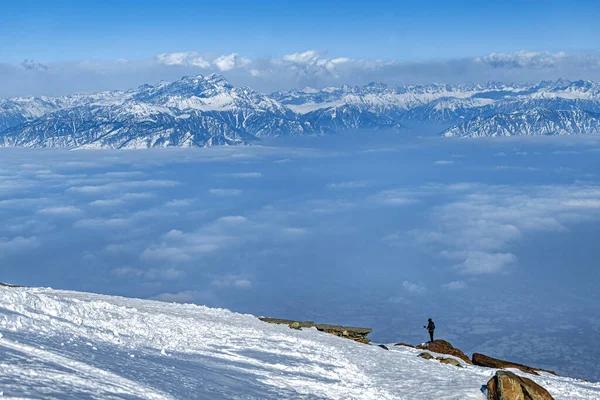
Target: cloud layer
[[307, 68], [372, 234]]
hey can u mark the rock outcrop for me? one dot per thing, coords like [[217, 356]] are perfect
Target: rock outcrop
[[8, 285], [484, 361], [444, 347], [450, 361], [404, 344], [425, 355], [289, 322], [348, 332], [506, 385]]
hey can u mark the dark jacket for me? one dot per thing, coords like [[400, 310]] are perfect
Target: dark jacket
[[431, 326]]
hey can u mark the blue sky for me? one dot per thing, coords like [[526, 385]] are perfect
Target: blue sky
[[63, 47], [51, 31]]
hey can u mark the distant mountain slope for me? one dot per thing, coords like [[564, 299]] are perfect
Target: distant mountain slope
[[207, 110], [532, 122], [70, 345], [194, 111], [382, 106]]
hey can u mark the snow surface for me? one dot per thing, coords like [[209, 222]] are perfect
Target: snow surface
[[70, 345]]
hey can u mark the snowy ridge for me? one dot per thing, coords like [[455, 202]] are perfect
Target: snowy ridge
[[381, 106], [192, 112], [198, 111], [537, 121], [69, 345]]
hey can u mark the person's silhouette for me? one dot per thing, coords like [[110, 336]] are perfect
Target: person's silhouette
[[430, 327]]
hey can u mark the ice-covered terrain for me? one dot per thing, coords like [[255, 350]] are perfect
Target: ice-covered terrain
[[72, 345]]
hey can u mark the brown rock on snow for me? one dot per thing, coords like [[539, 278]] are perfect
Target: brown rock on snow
[[444, 347], [9, 285], [404, 344], [484, 361], [507, 386], [348, 332], [451, 361]]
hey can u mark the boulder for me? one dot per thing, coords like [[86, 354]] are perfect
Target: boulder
[[506, 385], [383, 346], [444, 347], [295, 325], [404, 344], [484, 361], [451, 361], [426, 356]]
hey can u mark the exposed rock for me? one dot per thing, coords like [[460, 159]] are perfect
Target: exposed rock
[[451, 361], [302, 324], [426, 356], [404, 344], [444, 347], [484, 361], [506, 385], [295, 325], [383, 346], [348, 332], [8, 285]]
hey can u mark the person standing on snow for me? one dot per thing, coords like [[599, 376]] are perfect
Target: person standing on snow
[[430, 327]]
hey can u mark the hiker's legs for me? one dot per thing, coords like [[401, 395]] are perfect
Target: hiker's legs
[[431, 335]]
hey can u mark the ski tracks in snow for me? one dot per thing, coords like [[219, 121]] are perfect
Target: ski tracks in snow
[[56, 372]]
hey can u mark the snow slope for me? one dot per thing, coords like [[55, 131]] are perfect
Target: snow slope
[[70, 345]]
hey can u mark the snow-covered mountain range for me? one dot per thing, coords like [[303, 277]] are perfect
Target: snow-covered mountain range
[[71, 345], [207, 110], [532, 122]]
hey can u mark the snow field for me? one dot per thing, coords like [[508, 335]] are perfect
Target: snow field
[[69, 345]]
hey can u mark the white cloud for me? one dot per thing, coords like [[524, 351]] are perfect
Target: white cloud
[[454, 285], [231, 61], [395, 198], [477, 230], [17, 244], [117, 248], [128, 272], [179, 203], [348, 185], [246, 175], [232, 281], [100, 223], [60, 210], [166, 253], [298, 69], [233, 219], [164, 274], [413, 288], [122, 185], [523, 59], [107, 203], [295, 231], [189, 58], [444, 162], [478, 262], [225, 192]]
